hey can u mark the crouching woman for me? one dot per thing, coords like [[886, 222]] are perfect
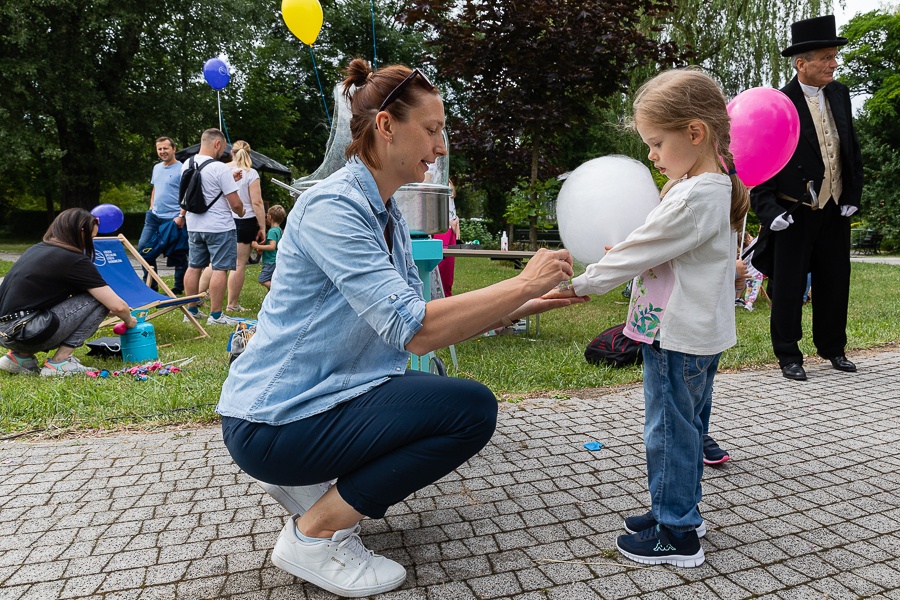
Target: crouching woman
[[58, 274]]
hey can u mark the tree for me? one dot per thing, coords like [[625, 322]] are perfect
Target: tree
[[520, 74], [871, 66], [97, 75], [88, 85], [739, 43]]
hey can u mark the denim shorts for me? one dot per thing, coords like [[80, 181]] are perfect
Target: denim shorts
[[267, 270], [218, 249]]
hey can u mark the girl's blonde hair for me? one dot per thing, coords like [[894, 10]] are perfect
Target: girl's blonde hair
[[241, 152], [675, 99]]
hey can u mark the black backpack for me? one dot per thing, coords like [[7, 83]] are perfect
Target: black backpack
[[613, 347], [190, 191]]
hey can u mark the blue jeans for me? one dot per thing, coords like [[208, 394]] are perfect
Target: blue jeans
[[381, 446], [677, 393]]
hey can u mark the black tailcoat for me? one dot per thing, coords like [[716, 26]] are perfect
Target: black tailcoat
[[818, 241]]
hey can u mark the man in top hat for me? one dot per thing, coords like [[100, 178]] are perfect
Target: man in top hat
[[825, 175]]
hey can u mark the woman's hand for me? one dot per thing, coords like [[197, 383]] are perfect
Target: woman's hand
[[546, 269], [545, 303]]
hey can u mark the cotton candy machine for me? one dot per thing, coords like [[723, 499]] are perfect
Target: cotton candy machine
[[425, 206]]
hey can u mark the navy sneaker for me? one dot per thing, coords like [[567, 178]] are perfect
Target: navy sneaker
[[639, 523], [712, 454], [658, 546]]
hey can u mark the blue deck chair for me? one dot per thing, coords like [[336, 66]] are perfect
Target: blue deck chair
[[111, 259]]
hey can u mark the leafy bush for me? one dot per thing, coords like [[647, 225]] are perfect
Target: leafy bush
[[471, 230]]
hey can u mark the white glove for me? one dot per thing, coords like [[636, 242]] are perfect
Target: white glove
[[848, 211], [781, 222]]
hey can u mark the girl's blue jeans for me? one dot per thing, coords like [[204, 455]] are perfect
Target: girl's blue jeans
[[677, 398], [381, 446]]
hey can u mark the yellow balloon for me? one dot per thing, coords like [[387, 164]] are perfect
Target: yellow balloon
[[303, 18]]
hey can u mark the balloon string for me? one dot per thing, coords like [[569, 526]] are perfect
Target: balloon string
[[743, 235], [322, 91], [219, 103], [374, 45]]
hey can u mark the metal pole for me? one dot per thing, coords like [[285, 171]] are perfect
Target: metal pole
[[219, 101]]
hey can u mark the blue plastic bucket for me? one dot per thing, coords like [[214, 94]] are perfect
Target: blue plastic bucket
[[139, 343]]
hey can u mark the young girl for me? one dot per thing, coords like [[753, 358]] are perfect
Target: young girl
[[684, 301]]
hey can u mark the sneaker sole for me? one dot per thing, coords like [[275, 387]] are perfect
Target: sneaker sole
[[724, 459], [679, 560], [19, 370], [312, 577], [701, 530]]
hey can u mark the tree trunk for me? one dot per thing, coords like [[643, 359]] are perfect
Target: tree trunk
[[532, 220], [79, 165]]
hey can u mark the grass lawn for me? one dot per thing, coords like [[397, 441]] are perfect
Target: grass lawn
[[511, 365]]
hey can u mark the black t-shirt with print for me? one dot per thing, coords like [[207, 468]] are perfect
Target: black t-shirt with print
[[44, 276]]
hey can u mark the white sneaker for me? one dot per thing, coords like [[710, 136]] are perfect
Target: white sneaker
[[341, 565], [296, 499], [222, 320], [198, 315], [70, 366], [13, 363]]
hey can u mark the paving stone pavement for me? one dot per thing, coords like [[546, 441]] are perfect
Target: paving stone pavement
[[807, 509]]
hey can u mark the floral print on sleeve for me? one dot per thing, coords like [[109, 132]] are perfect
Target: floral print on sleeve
[[649, 295]]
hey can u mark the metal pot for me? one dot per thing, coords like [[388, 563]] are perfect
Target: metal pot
[[425, 206]]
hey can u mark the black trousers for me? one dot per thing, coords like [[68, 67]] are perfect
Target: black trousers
[[818, 242]]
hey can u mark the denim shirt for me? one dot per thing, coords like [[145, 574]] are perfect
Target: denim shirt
[[340, 311]]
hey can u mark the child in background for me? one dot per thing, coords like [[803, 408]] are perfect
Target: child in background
[[274, 220], [753, 278], [684, 254]]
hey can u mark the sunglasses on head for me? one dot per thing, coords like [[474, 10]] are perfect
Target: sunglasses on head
[[395, 93]]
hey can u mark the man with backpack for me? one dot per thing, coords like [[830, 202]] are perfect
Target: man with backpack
[[208, 195]]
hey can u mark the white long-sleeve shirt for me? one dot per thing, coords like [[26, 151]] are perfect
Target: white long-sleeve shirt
[[691, 230]]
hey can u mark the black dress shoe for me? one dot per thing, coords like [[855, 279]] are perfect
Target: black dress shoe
[[842, 364], [794, 371]]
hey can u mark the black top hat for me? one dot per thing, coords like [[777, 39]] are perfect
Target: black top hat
[[813, 34]]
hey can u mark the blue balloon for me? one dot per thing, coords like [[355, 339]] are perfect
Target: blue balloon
[[215, 71], [111, 218]]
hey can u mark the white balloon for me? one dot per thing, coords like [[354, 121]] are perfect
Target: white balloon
[[601, 203]]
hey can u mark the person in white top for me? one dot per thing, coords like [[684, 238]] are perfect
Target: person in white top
[[683, 301], [249, 228], [211, 235]]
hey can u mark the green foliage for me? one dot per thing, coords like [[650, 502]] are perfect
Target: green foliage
[[522, 74], [533, 203], [470, 230], [739, 43], [872, 60], [128, 197]]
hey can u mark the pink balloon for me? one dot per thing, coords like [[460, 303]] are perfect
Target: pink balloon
[[765, 129]]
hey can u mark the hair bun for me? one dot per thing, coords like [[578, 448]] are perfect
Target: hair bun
[[358, 72]]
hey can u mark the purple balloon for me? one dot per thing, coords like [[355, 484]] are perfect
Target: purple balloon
[[765, 129], [111, 218], [215, 71]]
